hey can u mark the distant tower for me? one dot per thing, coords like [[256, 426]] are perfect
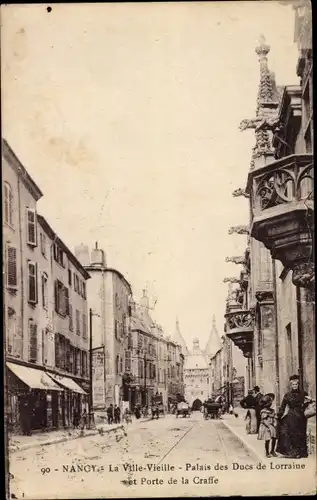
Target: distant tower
[[145, 300], [214, 342], [82, 254], [98, 256], [179, 339]]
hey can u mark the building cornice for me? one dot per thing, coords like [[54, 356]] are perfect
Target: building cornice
[[20, 170]]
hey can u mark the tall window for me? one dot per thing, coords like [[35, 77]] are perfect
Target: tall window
[[77, 322], [127, 361], [121, 365], [12, 269], [69, 277], [45, 291], [32, 282], [31, 227], [57, 351], [32, 341], [117, 364], [8, 204], [61, 299]]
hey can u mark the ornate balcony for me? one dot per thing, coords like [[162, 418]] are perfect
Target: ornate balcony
[[239, 328], [282, 193]]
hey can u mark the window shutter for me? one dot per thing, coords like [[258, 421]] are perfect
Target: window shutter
[[56, 296], [32, 271], [6, 203], [66, 300], [31, 227], [12, 270], [33, 341], [70, 309]]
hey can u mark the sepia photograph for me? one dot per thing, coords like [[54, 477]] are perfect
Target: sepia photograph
[[159, 331]]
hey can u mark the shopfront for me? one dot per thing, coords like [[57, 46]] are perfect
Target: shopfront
[[72, 400], [30, 393]]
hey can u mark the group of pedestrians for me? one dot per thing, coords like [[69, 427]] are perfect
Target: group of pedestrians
[[113, 414], [283, 431]]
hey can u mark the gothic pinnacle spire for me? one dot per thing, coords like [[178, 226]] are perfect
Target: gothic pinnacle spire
[[265, 93]]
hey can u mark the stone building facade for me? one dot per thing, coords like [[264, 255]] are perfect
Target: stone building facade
[[109, 295], [270, 314], [42, 385]]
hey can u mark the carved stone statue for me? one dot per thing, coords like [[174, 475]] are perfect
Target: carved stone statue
[[239, 230], [240, 192], [236, 260]]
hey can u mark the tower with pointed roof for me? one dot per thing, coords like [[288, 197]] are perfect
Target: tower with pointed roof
[[179, 339], [213, 344]]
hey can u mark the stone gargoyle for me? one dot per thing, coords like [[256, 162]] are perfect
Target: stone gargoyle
[[239, 230]]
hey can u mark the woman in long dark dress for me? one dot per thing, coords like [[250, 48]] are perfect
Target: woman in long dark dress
[[292, 423]]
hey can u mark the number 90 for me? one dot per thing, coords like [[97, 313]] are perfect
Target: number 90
[[45, 470]]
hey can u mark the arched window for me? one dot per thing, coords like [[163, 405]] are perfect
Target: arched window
[[8, 204]]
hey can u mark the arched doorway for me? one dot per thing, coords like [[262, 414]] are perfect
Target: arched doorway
[[197, 404]]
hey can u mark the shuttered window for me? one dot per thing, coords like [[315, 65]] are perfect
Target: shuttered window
[[85, 365], [31, 227], [61, 299], [67, 364], [127, 361], [43, 244], [32, 282], [32, 341], [8, 204], [12, 269]]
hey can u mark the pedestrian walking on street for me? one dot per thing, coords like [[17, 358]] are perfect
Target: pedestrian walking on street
[[249, 404], [292, 422], [76, 418], [110, 414], [137, 412], [117, 414], [268, 423], [84, 420], [258, 396]]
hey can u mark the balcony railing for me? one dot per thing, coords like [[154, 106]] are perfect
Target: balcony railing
[[283, 194], [239, 328]]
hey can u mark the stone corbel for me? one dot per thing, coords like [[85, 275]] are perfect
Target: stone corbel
[[304, 274], [243, 229], [265, 296]]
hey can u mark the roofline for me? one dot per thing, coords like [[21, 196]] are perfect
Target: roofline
[[14, 161], [91, 268], [45, 225]]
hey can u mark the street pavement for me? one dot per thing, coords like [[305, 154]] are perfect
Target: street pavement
[[157, 458]]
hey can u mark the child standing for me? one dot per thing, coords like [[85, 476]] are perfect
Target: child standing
[[268, 423]]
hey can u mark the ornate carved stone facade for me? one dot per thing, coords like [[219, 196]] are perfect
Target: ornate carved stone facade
[[277, 289]]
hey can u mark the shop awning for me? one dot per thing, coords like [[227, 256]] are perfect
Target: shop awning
[[35, 379], [68, 383]]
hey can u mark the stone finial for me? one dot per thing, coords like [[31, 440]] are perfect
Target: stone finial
[[262, 49]]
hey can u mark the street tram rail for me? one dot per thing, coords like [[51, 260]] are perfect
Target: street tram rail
[[177, 443]]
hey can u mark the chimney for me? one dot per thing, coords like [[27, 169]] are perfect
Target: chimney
[[98, 256], [145, 300], [82, 254]]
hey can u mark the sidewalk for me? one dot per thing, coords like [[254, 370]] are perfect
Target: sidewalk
[[237, 427], [20, 442]]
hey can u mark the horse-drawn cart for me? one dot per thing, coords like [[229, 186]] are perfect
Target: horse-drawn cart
[[212, 409], [183, 410]]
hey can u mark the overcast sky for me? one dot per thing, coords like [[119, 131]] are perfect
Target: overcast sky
[[127, 117]]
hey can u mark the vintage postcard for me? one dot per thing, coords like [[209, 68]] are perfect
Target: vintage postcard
[[159, 301]]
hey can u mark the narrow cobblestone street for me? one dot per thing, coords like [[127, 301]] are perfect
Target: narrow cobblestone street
[[207, 453]]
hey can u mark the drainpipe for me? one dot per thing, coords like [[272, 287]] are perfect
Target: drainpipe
[[21, 265], [277, 365], [300, 337]]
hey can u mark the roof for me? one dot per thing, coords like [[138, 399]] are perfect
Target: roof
[[14, 161], [179, 339], [45, 225], [109, 270], [214, 343]]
